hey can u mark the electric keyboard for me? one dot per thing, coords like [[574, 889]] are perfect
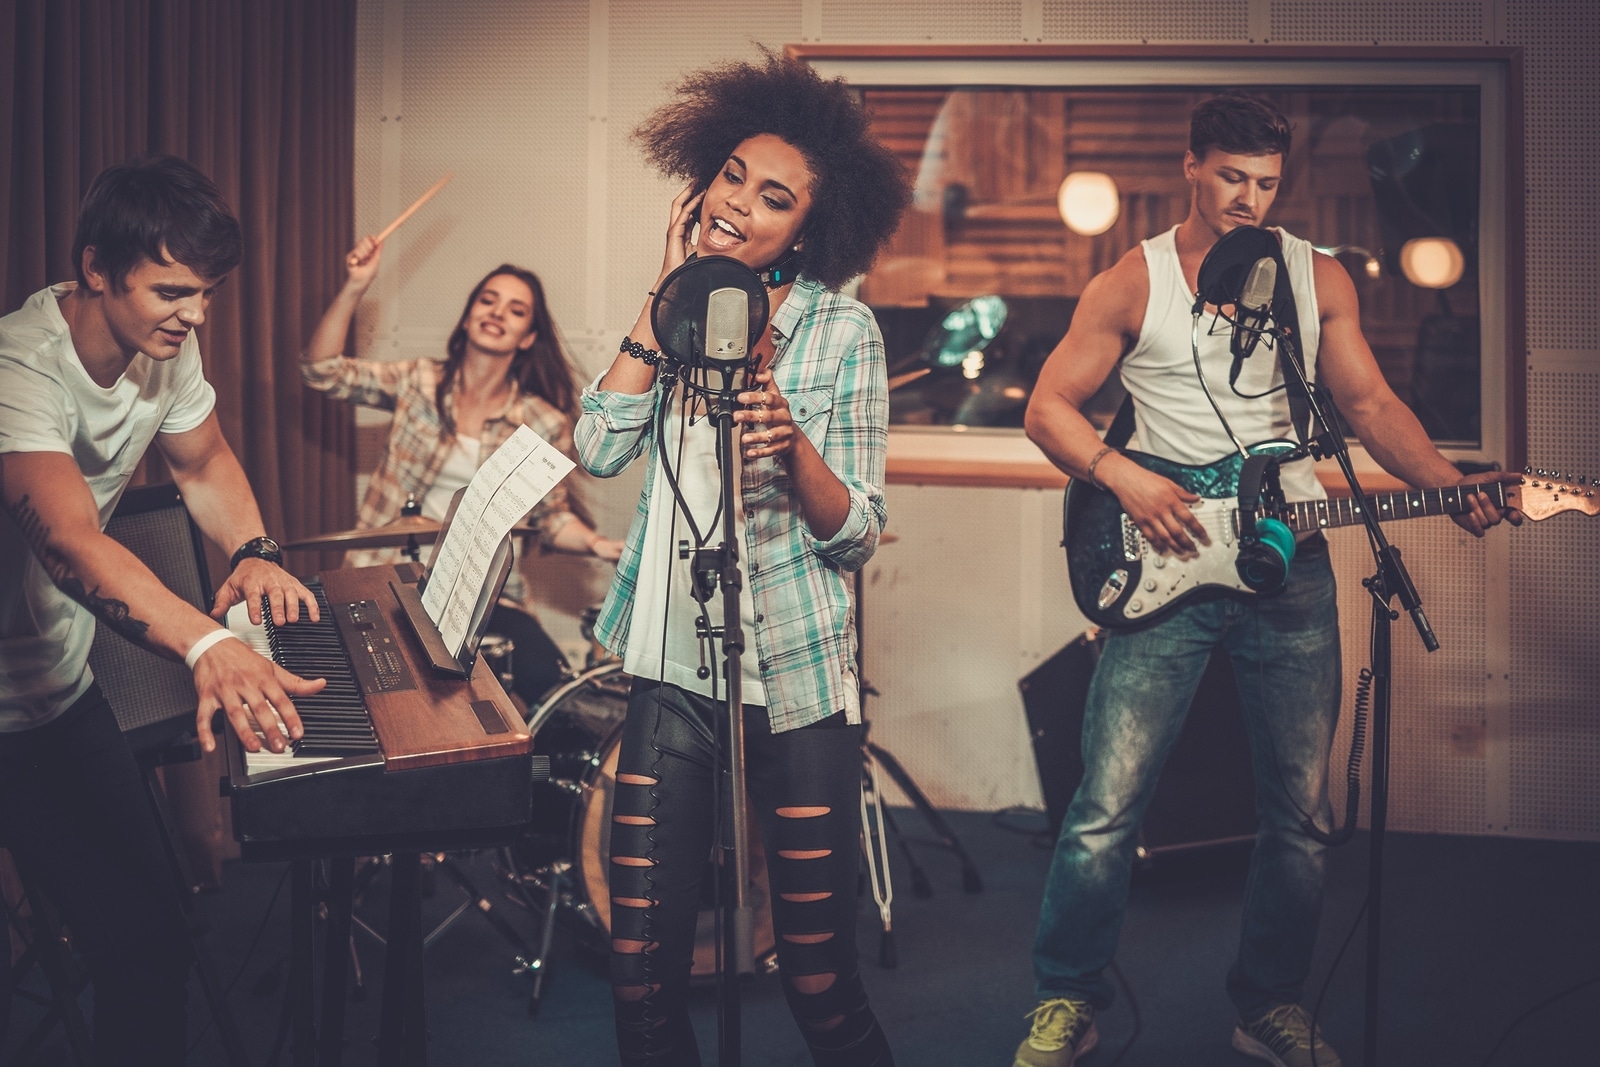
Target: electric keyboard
[[393, 756]]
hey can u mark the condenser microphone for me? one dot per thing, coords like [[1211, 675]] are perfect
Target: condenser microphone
[[1251, 313], [727, 328]]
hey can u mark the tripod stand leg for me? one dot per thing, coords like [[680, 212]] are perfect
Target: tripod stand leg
[[540, 965], [946, 837], [485, 907], [875, 844], [48, 950], [921, 887]]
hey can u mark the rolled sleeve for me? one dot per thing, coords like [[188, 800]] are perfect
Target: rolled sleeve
[[370, 382], [856, 446], [613, 429]]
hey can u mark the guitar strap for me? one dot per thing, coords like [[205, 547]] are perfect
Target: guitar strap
[[1121, 426]]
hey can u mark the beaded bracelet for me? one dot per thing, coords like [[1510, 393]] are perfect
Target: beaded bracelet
[[638, 351]]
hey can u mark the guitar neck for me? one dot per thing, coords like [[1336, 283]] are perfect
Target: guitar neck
[[1409, 504]]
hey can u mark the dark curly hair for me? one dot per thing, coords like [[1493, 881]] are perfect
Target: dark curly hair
[[1239, 123], [860, 187], [541, 369], [151, 207]]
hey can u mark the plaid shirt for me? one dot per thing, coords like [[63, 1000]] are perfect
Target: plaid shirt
[[417, 443], [829, 365]]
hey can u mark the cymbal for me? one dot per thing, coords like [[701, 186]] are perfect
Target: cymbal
[[396, 534]]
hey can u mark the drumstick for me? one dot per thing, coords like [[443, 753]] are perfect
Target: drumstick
[[407, 213]]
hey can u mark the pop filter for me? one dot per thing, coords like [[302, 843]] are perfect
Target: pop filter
[[709, 313], [1227, 265]]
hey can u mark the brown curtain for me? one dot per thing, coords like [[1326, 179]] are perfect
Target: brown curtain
[[260, 95]]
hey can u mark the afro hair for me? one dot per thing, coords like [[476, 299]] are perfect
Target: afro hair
[[860, 187]]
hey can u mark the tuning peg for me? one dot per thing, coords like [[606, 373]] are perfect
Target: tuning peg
[[1527, 470]]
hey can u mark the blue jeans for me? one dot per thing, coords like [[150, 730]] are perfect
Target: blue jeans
[[1285, 653]]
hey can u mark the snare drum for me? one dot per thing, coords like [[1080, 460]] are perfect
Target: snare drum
[[579, 726]]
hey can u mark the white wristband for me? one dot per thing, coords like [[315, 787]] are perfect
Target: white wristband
[[200, 647]]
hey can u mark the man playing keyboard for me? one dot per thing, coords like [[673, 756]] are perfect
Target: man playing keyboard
[[91, 373]]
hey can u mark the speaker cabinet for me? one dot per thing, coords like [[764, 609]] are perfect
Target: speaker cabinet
[[1206, 794], [152, 697]]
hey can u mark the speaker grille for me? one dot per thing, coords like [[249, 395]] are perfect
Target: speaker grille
[[1562, 42], [932, 20], [1376, 22], [1081, 21], [142, 688], [1555, 614]]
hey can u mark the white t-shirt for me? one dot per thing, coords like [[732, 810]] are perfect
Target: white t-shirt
[[664, 606], [460, 464], [1174, 418], [48, 403]]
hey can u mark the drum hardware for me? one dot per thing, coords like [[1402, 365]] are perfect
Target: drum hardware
[[524, 960], [496, 650]]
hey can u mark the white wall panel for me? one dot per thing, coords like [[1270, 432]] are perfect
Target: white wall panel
[[1562, 63], [1083, 21], [941, 21], [1377, 22]]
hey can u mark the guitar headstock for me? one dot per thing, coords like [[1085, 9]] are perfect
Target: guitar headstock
[[1545, 493]]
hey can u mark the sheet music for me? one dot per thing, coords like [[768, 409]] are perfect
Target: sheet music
[[510, 482]]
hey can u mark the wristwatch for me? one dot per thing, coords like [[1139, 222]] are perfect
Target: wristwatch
[[260, 547]]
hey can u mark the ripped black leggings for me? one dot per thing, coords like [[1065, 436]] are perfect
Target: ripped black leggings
[[804, 788]]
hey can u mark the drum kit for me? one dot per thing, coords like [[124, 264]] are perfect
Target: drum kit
[[558, 867]]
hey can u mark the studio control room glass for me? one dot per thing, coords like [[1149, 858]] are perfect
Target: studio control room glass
[[1024, 194]]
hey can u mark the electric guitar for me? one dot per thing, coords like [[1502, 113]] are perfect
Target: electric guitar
[[1119, 580]]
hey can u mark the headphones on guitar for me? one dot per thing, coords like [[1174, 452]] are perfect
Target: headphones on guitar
[[1266, 544]]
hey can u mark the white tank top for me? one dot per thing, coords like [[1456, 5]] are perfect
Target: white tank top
[[1173, 416]]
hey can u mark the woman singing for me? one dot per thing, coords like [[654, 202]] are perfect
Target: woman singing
[[503, 368], [785, 177]]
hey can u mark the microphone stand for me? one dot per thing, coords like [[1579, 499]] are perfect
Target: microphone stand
[[718, 569], [1390, 580]]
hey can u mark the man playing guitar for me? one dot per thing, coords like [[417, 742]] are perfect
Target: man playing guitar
[[1136, 318]]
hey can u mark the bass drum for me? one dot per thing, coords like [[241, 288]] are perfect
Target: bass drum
[[579, 726]]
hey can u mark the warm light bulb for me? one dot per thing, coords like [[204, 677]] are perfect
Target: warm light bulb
[[1088, 202], [1432, 262]]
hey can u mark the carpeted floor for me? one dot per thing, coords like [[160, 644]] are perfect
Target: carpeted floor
[[1476, 932]]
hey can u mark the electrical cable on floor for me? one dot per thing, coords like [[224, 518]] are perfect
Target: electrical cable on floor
[[1316, 1010], [1133, 1004], [1545, 1003], [255, 942]]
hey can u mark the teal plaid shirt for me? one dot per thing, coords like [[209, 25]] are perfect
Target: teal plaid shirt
[[829, 365]]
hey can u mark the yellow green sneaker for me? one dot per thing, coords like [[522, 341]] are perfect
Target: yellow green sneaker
[[1284, 1037], [1063, 1033]]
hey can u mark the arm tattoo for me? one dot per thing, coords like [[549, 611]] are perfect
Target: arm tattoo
[[114, 613]]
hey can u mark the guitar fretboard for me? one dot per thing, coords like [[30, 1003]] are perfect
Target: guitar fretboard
[[1410, 504]]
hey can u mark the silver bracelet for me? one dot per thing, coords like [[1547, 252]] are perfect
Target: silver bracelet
[[1095, 462]]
